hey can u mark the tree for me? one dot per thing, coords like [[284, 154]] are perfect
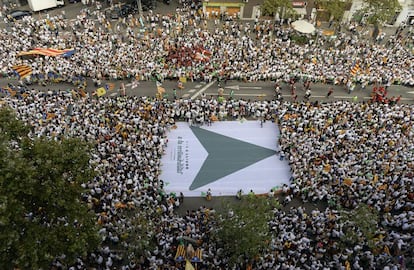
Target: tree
[[10, 127], [335, 9], [283, 8], [139, 236], [380, 11], [243, 228], [360, 225], [42, 216]]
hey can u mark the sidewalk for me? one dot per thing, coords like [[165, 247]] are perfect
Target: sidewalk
[[365, 32]]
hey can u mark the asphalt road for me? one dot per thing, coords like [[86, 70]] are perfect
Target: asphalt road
[[261, 90]]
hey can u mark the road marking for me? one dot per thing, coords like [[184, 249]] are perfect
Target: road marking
[[113, 94], [347, 97], [186, 95], [203, 89], [410, 92], [191, 90], [238, 94], [237, 87], [197, 86]]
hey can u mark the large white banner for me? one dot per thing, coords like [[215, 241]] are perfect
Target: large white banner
[[225, 157]]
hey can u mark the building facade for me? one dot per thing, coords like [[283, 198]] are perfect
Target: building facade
[[407, 13], [246, 9]]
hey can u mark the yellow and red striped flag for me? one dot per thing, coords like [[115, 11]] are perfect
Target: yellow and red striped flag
[[355, 69], [48, 52], [22, 70]]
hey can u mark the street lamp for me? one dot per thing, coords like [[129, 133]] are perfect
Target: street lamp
[[139, 6]]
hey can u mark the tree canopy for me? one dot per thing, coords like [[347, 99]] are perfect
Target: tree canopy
[[360, 225], [243, 229], [42, 216], [335, 9], [283, 7], [380, 11]]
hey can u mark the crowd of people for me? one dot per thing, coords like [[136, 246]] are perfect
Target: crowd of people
[[138, 48], [340, 152]]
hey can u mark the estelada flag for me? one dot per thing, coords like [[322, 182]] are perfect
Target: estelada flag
[[100, 91], [355, 69], [198, 256], [180, 254], [22, 70], [110, 86], [48, 52]]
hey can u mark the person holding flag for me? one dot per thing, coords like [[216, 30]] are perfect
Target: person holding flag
[[180, 85], [330, 91]]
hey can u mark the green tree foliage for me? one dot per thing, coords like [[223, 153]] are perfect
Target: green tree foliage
[[10, 127], [380, 11], [335, 9], [283, 7], [41, 213], [243, 229], [360, 226], [140, 234]]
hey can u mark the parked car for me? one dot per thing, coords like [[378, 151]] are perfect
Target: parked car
[[126, 10], [18, 14]]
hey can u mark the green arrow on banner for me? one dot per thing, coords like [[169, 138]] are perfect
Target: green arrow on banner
[[226, 155]]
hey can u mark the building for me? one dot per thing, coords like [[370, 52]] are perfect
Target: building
[[407, 12], [246, 9], [243, 9]]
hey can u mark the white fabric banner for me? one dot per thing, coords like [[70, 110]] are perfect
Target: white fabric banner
[[242, 154]]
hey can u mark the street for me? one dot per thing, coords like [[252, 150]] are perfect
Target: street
[[260, 90]]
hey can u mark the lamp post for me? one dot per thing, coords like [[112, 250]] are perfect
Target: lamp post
[[139, 6]]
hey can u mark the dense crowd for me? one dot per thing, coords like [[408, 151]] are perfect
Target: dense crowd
[[251, 51], [340, 152]]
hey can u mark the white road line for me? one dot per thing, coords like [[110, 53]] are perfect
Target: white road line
[[238, 94], [202, 89], [186, 95], [113, 94], [197, 86], [343, 97], [191, 90]]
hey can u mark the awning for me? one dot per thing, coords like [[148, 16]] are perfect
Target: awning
[[303, 26]]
